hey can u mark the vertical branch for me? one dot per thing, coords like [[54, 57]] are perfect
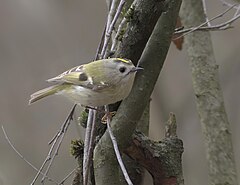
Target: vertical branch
[[209, 98], [91, 123], [116, 149], [128, 115], [205, 11], [87, 145], [110, 28]]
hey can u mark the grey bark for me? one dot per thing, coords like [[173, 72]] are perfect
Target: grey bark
[[135, 170], [128, 115], [209, 98], [162, 158], [145, 14]]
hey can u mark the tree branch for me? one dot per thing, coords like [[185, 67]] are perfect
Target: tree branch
[[125, 121], [145, 14], [162, 159], [209, 98]]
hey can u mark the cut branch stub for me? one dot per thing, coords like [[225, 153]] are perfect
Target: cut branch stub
[[162, 159]]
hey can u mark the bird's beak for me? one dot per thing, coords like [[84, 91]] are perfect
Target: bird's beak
[[134, 69]]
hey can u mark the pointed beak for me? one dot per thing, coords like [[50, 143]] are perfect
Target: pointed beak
[[134, 69]]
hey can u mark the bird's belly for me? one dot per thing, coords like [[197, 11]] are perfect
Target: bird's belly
[[87, 97]]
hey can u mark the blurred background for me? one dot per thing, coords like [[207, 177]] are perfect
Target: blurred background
[[40, 39]]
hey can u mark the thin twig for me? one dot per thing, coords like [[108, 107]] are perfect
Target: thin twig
[[43, 164], [201, 25], [91, 124], [23, 158], [110, 29], [91, 143], [120, 28], [100, 45], [54, 141], [59, 138], [86, 146], [53, 144], [67, 176], [228, 4], [111, 13], [116, 149], [237, 11], [218, 27], [69, 117], [205, 12]]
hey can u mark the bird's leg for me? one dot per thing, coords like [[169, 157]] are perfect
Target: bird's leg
[[94, 108], [106, 114]]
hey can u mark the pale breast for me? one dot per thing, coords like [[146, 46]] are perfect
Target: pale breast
[[88, 97]]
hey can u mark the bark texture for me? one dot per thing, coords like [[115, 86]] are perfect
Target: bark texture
[[162, 159], [135, 170], [145, 14], [209, 98], [132, 108]]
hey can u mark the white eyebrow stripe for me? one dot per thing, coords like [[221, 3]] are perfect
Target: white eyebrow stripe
[[78, 68], [71, 70]]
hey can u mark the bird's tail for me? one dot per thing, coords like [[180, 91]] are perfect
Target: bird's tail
[[45, 92]]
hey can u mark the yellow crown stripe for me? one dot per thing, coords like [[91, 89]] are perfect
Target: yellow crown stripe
[[123, 60]]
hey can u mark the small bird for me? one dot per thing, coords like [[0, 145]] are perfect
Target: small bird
[[97, 83]]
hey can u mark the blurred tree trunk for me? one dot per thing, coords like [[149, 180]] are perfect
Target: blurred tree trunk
[[209, 98]]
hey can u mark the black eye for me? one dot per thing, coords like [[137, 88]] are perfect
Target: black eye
[[82, 77], [122, 69]]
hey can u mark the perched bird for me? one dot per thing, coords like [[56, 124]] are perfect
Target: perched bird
[[97, 83]]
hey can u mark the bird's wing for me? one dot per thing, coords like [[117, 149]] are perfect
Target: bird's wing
[[77, 76]]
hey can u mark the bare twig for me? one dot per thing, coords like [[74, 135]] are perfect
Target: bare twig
[[23, 158], [110, 29], [228, 4], [111, 13], [68, 118], [67, 176], [91, 143], [237, 11], [60, 134], [59, 138], [91, 124], [87, 143], [120, 28], [112, 10], [218, 27], [116, 149], [100, 45], [205, 11], [206, 22]]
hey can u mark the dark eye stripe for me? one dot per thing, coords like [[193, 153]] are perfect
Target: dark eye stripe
[[83, 77]]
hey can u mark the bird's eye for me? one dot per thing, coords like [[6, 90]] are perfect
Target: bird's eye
[[122, 69], [83, 77]]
